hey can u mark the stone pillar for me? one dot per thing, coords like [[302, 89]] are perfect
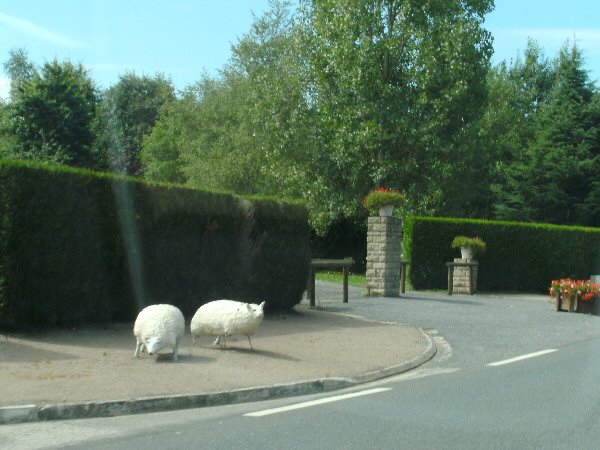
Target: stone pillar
[[460, 281], [384, 251]]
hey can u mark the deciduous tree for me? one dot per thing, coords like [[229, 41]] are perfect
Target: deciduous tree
[[398, 86], [19, 69], [129, 111]]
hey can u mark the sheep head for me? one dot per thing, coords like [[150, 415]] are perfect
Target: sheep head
[[256, 310], [154, 344]]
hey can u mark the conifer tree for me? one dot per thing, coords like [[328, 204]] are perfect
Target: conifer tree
[[556, 178]]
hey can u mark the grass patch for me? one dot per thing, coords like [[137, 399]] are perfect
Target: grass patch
[[338, 277]]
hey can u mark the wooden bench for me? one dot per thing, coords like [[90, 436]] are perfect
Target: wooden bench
[[315, 264], [451, 266]]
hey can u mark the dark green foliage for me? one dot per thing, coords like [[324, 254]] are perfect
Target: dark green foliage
[[519, 257], [79, 247], [56, 261], [335, 98], [129, 110], [344, 238], [555, 179], [397, 89], [52, 116]]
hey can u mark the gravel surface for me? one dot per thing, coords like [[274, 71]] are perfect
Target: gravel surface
[[96, 363]]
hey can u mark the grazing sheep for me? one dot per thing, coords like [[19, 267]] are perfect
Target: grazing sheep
[[158, 327], [223, 318]]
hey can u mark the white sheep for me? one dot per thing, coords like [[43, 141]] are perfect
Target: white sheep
[[223, 318], [158, 327]]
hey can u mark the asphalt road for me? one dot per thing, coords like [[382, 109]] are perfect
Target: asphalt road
[[510, 373]]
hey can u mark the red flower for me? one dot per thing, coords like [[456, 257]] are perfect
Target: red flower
[[569, 287]]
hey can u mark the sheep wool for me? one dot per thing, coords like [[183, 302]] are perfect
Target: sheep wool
[[158, 327], [223, 318]]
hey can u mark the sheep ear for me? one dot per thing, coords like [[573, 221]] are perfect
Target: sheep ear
[[262, 305]]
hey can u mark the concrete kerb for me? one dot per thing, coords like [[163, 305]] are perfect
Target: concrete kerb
[[68, 411], [405, 366]]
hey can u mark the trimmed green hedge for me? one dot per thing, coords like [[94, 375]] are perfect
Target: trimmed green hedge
[[78, 246], [520, 257]]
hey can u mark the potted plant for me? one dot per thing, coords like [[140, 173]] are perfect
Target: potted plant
[[469, 246], [574, 295], [383, 200]]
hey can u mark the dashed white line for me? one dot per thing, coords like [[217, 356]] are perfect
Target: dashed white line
[[522, 357], [321, 401]]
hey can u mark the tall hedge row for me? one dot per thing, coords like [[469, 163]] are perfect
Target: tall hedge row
[[78, 246], [520, 257]]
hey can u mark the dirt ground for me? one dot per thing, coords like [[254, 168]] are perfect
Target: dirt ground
[[96, 363]]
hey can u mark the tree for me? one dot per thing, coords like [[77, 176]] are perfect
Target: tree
[[337, 97], [246, 130], [197, 139], [398, 87], [7, 140], [516, 92], [556, 178], [52, 115], [223, 155], [161, 147], [129, 111], [19, 69]]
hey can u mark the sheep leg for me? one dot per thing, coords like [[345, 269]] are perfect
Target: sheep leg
[[249, 340], [138, 347], [175, 350], [220, 341]]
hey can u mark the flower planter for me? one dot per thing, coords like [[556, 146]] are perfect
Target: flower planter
[[466, 253], [383, 200], [574, 304], [469, 246], [386, 211]]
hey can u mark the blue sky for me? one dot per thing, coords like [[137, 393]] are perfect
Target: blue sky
[[183, 38]]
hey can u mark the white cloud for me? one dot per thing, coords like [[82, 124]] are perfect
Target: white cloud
[[39, 32], [4, 88]]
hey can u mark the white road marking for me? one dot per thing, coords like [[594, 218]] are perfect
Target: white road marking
[[522, 357], [421, 373], [321, 401]]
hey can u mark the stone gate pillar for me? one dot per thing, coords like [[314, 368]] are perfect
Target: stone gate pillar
[[384, 251], [465, 277]]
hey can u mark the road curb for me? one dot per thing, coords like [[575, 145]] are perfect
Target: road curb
[[68, 411], [405, 366]]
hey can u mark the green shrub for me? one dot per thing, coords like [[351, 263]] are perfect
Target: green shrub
[[519, 257], [78, 246], [475, 243]]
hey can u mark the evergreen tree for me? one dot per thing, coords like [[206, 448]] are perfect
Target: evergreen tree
[[554, 179]]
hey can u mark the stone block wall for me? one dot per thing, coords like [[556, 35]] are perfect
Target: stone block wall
[[460, 281], [384, 252]]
